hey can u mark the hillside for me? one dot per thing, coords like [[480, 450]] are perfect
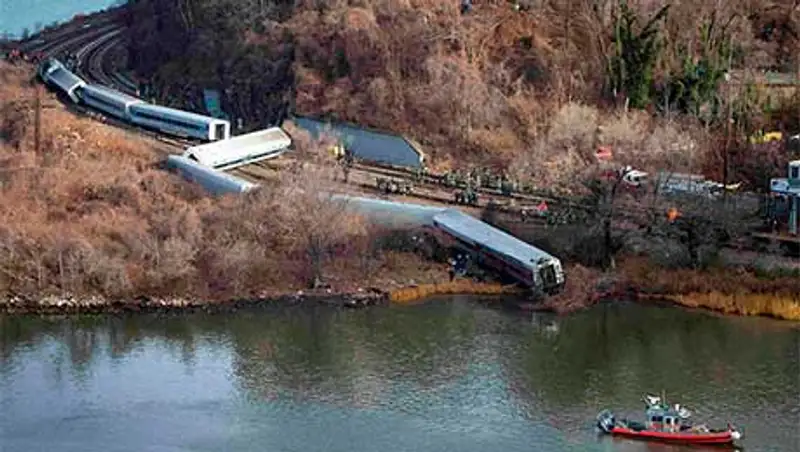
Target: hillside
[[534, 90], [90, 212]]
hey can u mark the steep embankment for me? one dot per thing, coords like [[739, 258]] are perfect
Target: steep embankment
[[482, 87], [89, 217]]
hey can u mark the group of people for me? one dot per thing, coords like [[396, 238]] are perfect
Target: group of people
[[518, 5], [458, 266], [15, 55], [344, 158], [481, 178]]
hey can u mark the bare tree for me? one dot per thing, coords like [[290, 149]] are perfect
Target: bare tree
[[320, 220]]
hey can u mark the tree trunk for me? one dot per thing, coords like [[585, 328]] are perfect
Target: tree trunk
[[315, 255], [608, 258]]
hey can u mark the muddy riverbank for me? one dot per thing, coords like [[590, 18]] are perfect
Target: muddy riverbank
[[57, 305], [359, 298], [730, 292]]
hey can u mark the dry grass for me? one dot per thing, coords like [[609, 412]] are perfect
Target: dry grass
[[460, 286], [728, 290], [90, 213], [520, 91], [779, 307], [583, 288]]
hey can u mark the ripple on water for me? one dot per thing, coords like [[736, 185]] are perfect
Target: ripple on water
[[440, 377]]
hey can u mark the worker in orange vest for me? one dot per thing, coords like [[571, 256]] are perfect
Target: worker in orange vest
[[542, 208], [672, 214]]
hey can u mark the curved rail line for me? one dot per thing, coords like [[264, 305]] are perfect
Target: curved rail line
[[94, 44]]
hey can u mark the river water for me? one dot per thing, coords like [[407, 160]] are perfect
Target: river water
[[449, 375]]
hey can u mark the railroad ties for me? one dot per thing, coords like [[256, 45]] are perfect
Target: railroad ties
[[483, 244], [206, 164]]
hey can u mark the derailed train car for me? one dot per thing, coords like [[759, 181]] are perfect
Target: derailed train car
[[213, 181], [179, 122], [526, 264], [108, 101], [241, 150], [131, 109], [56, 75]]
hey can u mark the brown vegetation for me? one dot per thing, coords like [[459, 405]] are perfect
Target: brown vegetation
[[584, 287], [729, 290], [459, 286], [524, 90], [92, 214]]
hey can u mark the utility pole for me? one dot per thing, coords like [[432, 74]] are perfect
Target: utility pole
[[565, 50], [37, 122]]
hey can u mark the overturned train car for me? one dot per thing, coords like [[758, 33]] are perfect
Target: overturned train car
[[491, 247], [213, 181]]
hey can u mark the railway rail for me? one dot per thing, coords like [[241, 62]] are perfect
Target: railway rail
[[100, 38], [92, 49]]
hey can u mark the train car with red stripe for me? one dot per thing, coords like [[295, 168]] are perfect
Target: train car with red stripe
[[500, 251]]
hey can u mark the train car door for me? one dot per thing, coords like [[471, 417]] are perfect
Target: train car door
[[219, 132]]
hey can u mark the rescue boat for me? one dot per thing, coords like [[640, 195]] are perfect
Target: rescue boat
[[666, 424]]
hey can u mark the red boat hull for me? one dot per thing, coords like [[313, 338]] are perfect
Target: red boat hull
[[683, 437]]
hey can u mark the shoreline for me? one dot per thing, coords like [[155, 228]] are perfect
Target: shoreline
[[746, 305], [70, 305], [748, 296], [75, 305], [772, 306]]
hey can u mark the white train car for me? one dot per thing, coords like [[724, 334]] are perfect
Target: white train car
[[241, 150], [47, 67], [108, 101], [179, 122], [215, 182], [389, 213], [55, 74], [527, 264]]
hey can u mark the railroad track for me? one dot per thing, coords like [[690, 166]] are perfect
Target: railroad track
[[95, 42], [49, 38], [91, 58], [92, 51], [70, 41]]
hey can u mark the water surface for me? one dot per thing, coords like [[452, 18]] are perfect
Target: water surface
[[448, 375]]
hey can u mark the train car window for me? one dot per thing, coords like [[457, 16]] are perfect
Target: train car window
[[106, 103], [171, 121]]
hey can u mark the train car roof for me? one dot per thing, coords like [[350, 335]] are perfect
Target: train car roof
[[366, 144], [391, 213], [257, 143], [466, 227], [215, 182], [119, 96], [178, 114], [51, 64], [65, 79]]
